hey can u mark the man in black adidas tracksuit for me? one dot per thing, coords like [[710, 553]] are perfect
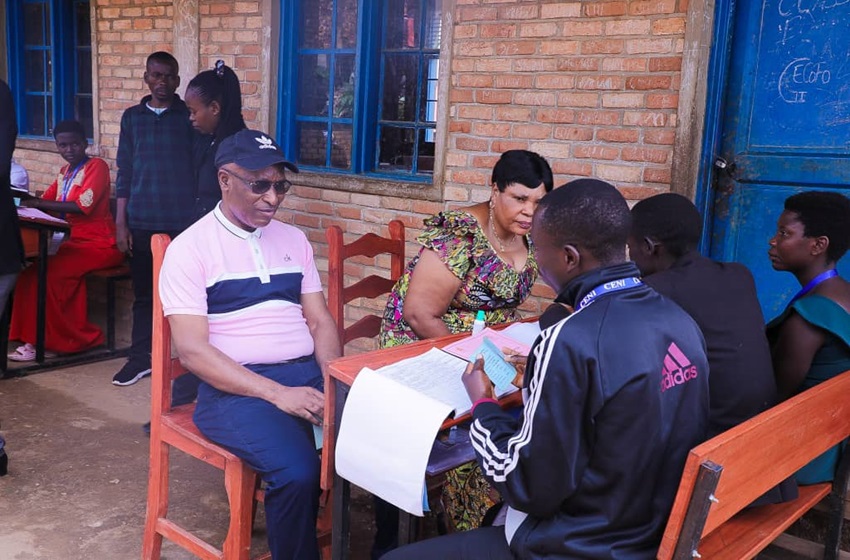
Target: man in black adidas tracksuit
[[615, 397]]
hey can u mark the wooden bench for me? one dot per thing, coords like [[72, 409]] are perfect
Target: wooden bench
[[710, 517], [111, 276]]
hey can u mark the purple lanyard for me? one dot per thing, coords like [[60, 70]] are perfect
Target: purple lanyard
[[822, 277], [68, 179]]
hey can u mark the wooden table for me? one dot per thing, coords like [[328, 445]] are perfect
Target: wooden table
[[36, 233], [340, 375]]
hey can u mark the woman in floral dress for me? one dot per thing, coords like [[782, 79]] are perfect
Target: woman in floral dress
[[476, 258]]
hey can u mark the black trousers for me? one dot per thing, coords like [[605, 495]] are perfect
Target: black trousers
[[141, 271], [486, 543]]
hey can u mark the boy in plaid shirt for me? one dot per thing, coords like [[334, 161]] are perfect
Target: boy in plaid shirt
[[155, 188]]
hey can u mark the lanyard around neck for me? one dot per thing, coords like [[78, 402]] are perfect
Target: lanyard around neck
[[68, 179], [820, 278], [607, 288]]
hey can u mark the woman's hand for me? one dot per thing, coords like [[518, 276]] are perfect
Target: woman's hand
[[476, 382], [518, 361]]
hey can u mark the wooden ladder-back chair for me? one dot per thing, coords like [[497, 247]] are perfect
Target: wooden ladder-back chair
[[369, 245], [173, 427]]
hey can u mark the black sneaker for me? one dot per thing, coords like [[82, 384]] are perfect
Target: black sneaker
[[131, 373]]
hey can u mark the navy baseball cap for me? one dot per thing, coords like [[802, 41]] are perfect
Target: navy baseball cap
[[251, 149]]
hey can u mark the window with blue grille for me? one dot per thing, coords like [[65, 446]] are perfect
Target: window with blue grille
[[50, 63], [359, 85]]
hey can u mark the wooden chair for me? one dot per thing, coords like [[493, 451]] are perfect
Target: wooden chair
[[173, 427], [369, 245], [723, 476]]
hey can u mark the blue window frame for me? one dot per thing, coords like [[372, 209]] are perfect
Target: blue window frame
[[50, 69], [359, 85]]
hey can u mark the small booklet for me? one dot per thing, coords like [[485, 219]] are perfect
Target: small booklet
[[465, 347]]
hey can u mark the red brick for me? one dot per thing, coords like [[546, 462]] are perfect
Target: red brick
[[630, 100], [559, 47], [474, 48], [649, 155], [492, 129], [665, 64], [534, 98], [589, 28], [662, 101], [475, 14], [484, 162], [493, 97], [661, 137], [560, 10], [622, 173], [547, 29], [535, 65], [648, 82], [474, 81], [648, 7], [581, 99], [516, 114], [574, 133], [573, 168], [578, 64], [604, 9], [500, 146], [630, 64], [625, 135], [470, 177], [481, 112], [556, 115], [511, 13], [514, 81], [533, 131], [555, 81], [513, 48], [501, 30], [638, 118], [470, 144], [600, 82], [605, 118], [669, 26], [651, 175], [627, 27], [640, 46], [595, 152], [603, 46]]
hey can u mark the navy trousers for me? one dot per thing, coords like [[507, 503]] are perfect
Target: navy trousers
[[280, 447]]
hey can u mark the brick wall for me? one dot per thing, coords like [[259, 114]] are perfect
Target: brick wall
[[590, 85]]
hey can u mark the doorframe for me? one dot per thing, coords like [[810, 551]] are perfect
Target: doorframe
[[706, 57]]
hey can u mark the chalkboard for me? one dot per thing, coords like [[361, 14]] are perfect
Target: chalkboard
[[801, 96]]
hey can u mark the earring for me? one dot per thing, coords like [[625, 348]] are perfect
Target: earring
[[492, 204]]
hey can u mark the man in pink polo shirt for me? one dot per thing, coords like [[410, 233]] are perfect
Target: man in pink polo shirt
[[248, 317]]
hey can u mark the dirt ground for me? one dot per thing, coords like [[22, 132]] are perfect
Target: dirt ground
[[77, 480], [78, 464]]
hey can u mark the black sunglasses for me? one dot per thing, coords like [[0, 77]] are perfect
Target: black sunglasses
[[263, 186]]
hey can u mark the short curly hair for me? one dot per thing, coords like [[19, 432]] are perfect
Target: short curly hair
[[823, 213]]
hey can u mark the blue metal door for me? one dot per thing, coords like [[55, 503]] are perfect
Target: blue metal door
[[785, 127]]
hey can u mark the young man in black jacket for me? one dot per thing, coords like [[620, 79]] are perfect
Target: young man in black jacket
[[615, 397]]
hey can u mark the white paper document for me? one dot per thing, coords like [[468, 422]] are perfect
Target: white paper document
[[525, 333], [385, 438], [35, 213]]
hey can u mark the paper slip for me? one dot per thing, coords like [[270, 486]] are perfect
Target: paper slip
[[500, 372], [465, 347], [36, 214], [434, 373], [385, 439], [526, 333]]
